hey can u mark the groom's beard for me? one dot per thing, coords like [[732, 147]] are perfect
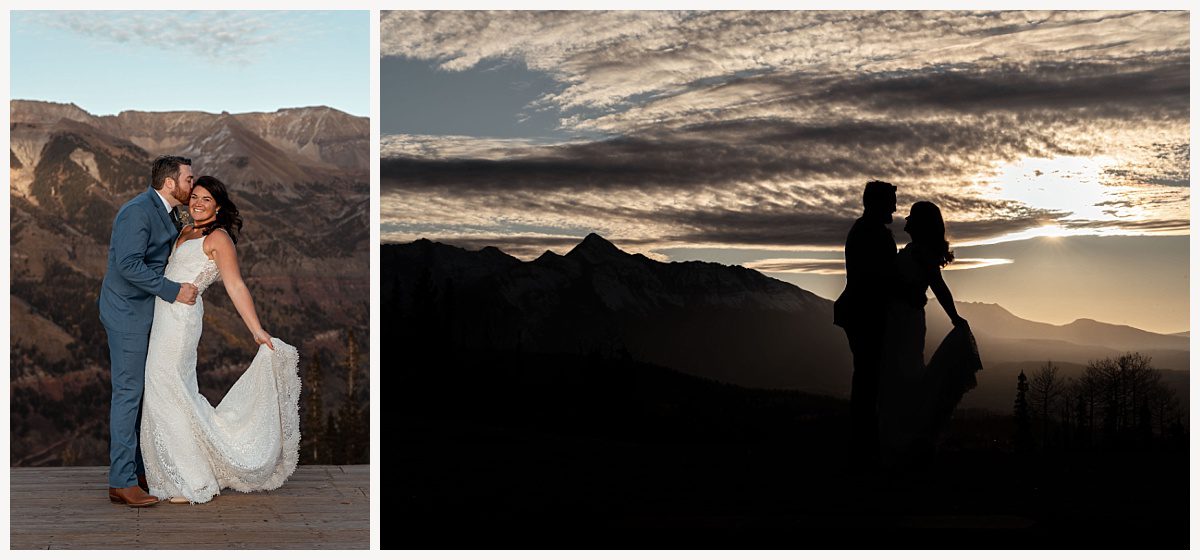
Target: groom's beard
[[182, 195]]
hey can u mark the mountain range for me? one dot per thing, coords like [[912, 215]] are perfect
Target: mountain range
[[300, 178], [726, 323]]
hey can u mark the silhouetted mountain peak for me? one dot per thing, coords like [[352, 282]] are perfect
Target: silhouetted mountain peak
[[547, 256], [488, 256], [595, 248], [1092, 324]]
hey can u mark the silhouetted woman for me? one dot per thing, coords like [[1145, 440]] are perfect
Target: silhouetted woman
[[915, 400]]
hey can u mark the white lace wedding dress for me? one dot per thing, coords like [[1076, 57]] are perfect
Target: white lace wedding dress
[[250, 441]]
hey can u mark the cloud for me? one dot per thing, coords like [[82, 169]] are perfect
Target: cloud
[[1149, 226], [838, 266], [609, 58], [1151, 87], [758, 129], [741, 183], [799, 266], [218, 36], [747, 217], [1112, 89], [969, 263], [1161, 164], [428, 147], [724, 153], [782, 226]]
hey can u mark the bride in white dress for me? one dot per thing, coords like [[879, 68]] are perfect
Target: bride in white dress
[[250, 441], [917, 398]]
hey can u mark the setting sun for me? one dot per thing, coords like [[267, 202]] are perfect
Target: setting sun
[[1068, 184]]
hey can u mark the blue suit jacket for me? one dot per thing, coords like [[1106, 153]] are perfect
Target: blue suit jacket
[[142, 235]]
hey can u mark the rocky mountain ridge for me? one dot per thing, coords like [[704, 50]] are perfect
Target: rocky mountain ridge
[[319, 137], [726, 323]]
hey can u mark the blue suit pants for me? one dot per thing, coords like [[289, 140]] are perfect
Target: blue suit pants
[[128, 354]]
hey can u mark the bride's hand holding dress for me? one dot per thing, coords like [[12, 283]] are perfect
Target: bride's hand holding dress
[[942, 292], [220, 249]]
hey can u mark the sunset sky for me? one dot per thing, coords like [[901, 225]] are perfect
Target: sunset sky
[[1056, 143]]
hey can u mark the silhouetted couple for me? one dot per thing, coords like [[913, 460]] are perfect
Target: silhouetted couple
[[898, 403]]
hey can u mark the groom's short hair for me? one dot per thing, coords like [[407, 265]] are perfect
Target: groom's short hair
[[878, 192], [164, 167]]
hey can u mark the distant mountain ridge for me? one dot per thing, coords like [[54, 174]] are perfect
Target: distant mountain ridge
[[1002, 323], [599, 300], [81, 167], [726, 323], [324, 142]]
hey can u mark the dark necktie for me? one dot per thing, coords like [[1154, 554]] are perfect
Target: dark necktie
[[177, 218]]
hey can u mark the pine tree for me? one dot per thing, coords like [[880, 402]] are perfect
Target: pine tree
[[1024, 436], [314, 447], [354, 430]]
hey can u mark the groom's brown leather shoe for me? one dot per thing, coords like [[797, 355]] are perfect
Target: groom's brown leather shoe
[[133, 496], [142, 483]]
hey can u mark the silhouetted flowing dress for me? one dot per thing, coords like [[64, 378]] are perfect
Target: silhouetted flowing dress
[[250, 441], [916, 399]]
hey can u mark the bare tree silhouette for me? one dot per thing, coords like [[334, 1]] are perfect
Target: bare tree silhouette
[[1046, 387]]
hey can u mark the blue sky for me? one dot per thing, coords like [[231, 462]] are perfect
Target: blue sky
[[491, 101], [108, 62]]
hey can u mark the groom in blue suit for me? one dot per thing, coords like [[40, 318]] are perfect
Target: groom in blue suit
[[142, 237]]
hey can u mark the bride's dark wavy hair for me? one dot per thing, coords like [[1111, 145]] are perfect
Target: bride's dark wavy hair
[[928, 230], [228, 217]]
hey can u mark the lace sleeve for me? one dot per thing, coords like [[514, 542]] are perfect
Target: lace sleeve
[[207, 276]]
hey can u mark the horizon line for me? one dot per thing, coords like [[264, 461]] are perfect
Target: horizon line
[[743, 265], [208, 112]]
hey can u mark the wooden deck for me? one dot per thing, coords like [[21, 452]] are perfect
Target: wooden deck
[[319, 507]]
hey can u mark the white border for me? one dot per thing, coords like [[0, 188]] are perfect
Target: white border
[[5, 207], [375, 354], [375, 6]]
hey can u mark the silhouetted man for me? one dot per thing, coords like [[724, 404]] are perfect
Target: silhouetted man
[[862, 311]]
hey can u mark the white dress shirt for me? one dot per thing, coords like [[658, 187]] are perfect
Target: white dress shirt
[[166, 204]]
